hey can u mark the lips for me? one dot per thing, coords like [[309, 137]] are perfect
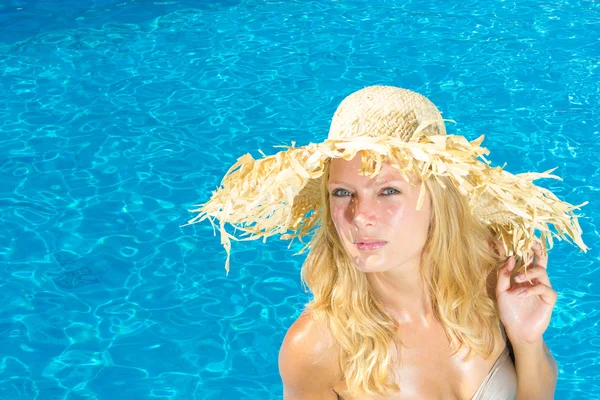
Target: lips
[[369, 244]]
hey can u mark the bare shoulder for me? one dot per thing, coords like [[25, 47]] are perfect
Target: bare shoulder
[[308, 361]]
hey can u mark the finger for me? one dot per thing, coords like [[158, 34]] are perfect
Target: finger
[[534, 273], [541, 259], [503, 282], [547, 294]]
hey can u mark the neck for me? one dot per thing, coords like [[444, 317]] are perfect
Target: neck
[[403, 295]]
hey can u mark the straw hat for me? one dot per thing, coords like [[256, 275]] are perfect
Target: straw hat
[[280, 194]]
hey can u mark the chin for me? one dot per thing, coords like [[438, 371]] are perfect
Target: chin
[[372, 267]]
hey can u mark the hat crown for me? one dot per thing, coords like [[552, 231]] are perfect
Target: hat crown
[[377, 111]]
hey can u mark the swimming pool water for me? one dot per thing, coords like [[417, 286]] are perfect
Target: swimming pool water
[[116, 117]]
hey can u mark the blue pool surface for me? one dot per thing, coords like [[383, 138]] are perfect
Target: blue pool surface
[[116, 117]]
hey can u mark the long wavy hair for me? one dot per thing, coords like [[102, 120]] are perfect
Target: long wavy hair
[[456, 261]]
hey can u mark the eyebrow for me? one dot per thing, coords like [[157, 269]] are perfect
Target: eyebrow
[[376, 182]]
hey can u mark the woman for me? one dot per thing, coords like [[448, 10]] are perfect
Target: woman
[[414, 297], [375, 244]]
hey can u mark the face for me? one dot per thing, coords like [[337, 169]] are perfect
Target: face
[[376, 219]]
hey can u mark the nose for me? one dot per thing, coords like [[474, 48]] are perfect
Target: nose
[[362, 212]]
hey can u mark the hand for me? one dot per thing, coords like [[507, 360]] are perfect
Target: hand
[[525, 308]]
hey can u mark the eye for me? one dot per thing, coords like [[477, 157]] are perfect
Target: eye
[[390, 191], [340, 193]]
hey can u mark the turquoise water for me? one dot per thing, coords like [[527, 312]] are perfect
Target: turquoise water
[[116, 117]]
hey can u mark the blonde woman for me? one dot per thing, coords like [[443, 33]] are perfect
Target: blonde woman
[[412, 259], [383, 273]]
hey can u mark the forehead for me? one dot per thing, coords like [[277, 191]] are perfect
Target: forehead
[[348, 170]]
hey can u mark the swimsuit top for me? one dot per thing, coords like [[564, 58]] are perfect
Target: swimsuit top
[[501, 382]]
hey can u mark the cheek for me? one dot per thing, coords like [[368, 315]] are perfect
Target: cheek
[[336, 213], [394, 214], [338, 216], [407, 219]]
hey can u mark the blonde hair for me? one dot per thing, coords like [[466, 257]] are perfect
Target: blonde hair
[[455, 278]]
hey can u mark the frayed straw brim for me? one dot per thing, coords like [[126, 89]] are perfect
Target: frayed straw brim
[[280, 194]]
